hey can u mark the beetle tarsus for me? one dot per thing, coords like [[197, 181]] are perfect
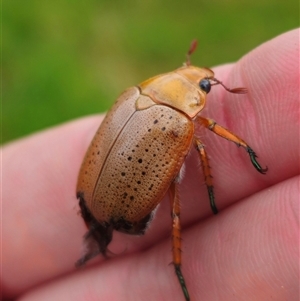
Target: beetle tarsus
[[206, 170], [253, 157], [182, 282], [192, 48], [211, 195], [86, 257], [96, 241]]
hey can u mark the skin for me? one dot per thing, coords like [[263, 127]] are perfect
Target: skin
[[250, 251]]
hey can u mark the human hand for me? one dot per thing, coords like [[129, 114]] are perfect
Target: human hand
[[250, 251]]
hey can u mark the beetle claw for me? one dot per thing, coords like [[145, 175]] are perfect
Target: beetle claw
[[253, 157]]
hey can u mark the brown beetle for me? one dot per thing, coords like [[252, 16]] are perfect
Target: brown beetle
[[137, 153]]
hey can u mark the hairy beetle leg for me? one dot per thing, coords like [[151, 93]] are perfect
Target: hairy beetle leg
[[224, 133], [176, 237], [97, 238], [207, 174]]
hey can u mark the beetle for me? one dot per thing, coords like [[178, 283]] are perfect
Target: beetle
[[137, 153]]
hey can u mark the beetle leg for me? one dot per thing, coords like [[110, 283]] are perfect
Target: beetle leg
[[97, 238], [207, 174], [176, 237], [96, 241], [222, 132]]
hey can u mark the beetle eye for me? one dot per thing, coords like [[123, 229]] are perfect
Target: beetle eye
[[205, 85]]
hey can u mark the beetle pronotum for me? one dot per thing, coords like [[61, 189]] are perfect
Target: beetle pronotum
[[137, 153]]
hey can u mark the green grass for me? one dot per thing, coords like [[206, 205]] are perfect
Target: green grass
[[65, 59]]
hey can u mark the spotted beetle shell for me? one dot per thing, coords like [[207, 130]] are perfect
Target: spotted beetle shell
[[141, 145]]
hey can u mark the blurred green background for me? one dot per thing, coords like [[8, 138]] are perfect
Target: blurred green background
[[68, 58]]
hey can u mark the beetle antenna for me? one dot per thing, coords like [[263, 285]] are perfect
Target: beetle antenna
[[239, 90], [192, 48]]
